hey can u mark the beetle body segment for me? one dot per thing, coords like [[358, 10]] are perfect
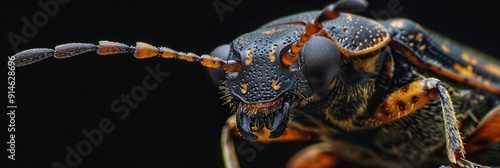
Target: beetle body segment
[[444, 58]]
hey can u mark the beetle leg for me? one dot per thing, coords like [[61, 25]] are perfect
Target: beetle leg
[[466, 163], [317, 155], [230, 131], [228, 151], [412, 97]]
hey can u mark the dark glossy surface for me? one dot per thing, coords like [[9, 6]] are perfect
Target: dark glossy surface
[[178, 123]]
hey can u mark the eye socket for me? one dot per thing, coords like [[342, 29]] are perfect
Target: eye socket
[[284, 50], [322, 63], [233, 54], [217, 74], [232, 75]]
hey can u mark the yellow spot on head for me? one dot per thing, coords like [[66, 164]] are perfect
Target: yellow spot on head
[[275, 84], [272, 53], [349, 17], [270, 32], [244, 88], [397, 24], [248, 58]]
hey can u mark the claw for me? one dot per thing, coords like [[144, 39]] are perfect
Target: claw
[[243, 124], [280, 121]]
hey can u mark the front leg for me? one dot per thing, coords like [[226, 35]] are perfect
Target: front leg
[[230, 131], [412, 97]]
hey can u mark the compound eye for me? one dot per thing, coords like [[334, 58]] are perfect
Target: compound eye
[[218, 74], [322, 64]]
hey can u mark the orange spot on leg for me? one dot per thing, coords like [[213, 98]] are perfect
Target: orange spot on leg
[[405, 101]]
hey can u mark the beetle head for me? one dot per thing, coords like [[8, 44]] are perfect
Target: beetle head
[[265, 90], [280, 65]]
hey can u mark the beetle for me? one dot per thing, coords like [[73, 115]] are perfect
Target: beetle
[[251, 59]]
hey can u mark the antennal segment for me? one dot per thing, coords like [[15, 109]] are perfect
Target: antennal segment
[[141, 51]]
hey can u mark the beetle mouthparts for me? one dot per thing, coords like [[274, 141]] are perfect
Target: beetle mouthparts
[[276, 120], [261, 107]]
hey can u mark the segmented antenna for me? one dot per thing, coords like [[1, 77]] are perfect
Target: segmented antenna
[[315, 26], [141, 50]]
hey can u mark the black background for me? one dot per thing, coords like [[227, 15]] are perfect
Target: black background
[[179, 122]]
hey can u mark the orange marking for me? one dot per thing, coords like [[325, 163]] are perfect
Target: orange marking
[[320, 155], [411, 36], [271, 32], [275, 84], [349, 17], [445, 49], [467, 71], [421, 47], [290, 134], [492, 68], [467, 58], [248, 58], [495, 89], [487, 132], [397, 24], [419, 37], [406, 100], [272, 53], [244, 88]]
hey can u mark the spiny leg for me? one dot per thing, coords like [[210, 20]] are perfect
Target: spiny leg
[[230, 131], [409, 99]]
